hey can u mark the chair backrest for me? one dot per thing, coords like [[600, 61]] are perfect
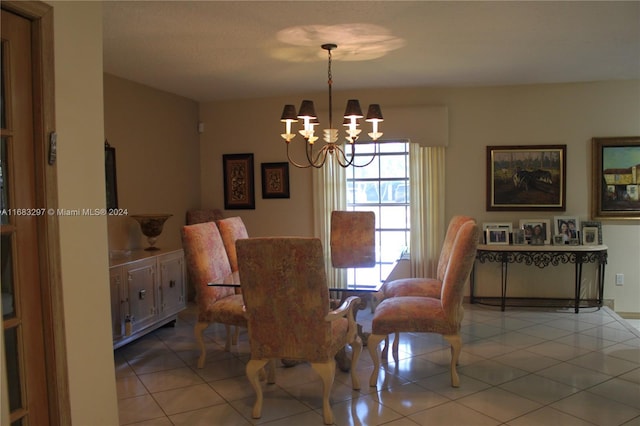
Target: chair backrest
[[286, 297], [352, 239], [445, 253], [232, 229], [463, 255], [203, 215], [206, 261]]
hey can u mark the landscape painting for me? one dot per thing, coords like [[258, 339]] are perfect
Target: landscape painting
[[526, 177]]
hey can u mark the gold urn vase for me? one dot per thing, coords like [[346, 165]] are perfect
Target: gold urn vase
[[151, 226]]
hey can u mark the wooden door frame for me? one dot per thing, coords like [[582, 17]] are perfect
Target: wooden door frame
[[41, 16]]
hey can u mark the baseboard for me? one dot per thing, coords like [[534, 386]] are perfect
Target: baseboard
[[629, 315]]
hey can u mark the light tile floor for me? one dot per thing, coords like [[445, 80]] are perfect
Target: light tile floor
[[520, 367]]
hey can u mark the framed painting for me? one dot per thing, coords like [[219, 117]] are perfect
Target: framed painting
[[239, 191], [526, 177], [275, 180], [615, 178], [110, 176]]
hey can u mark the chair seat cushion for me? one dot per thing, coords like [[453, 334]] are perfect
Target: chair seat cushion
[[424, 287], [411, 314], [228, 310]]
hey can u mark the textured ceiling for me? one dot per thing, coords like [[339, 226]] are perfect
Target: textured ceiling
[[211, 50]]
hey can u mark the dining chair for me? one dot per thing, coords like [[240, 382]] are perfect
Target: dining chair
[[207, 262], [419, 314], [426, 287], [232, 229], [352, 239], [288, 315]]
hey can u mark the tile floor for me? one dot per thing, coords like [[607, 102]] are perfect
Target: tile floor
[[519, 367]]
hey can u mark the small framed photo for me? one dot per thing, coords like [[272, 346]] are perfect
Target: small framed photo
[[559, 239], [518, 237], [567, 226], [497, 225], [589, 236], [497, 235], [588, 225], [275, 180], [536, 231]]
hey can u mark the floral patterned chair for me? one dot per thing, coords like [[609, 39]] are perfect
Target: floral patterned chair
[[419, 314], [427, 287], [352, 239], [232, 229], [287, 308], [207, 261]]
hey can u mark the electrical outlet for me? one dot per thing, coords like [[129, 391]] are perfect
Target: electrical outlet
[[619, 279]]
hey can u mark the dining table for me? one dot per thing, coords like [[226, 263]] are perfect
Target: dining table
[[340, 287]]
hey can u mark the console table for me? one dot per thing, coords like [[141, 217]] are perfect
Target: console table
[[542, 257]]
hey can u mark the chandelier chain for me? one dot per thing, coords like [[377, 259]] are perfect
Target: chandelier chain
[[330, 83]]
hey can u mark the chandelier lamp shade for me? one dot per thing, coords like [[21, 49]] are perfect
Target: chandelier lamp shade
[[316, 157]]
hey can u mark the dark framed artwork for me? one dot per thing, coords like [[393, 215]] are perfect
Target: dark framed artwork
[[239, 191], [526, 177], [275, 180], [616, 178], [110, 176]]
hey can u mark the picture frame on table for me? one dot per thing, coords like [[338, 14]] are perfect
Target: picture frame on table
[[559, 239], [497, 225], [588, 225], [275, 180], [589, 236], [497, 236], [238, 180], [536, 231], [526, 177], [615, 178], [566, 226]]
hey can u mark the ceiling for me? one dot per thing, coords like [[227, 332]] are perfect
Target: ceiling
[[215, 50]]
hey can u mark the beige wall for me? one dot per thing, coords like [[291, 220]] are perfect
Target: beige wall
[[568, 114], [83, 240], [155, 135]]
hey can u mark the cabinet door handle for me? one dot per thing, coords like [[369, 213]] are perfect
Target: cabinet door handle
[[142, 294], [172, 283]]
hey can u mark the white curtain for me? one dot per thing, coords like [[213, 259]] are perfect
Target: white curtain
[[329, 194], [426, 175]]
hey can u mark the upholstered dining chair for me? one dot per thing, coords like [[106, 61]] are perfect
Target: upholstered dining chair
[[195, 216], [232, 229], [287, 308], [207, 261], [427, 287], [352, 239], [419, 314]]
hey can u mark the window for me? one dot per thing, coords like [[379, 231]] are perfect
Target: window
[[382, 187]]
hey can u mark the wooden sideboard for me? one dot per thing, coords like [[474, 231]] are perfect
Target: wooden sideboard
[[147, 292]]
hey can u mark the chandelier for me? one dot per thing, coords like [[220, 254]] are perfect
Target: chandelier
[[352, 115]]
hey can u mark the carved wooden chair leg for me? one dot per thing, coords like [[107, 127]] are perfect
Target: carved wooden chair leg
[[356, 350], [456, 347], [197, 331], [374, 342], [326, 371], [254, 366]]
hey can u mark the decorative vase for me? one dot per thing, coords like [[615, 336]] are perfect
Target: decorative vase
[[151, 226]]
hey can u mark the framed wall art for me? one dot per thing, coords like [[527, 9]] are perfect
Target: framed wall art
[[110, 176], [239, 191], [526, 177], [275, 180], [616, 178]]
